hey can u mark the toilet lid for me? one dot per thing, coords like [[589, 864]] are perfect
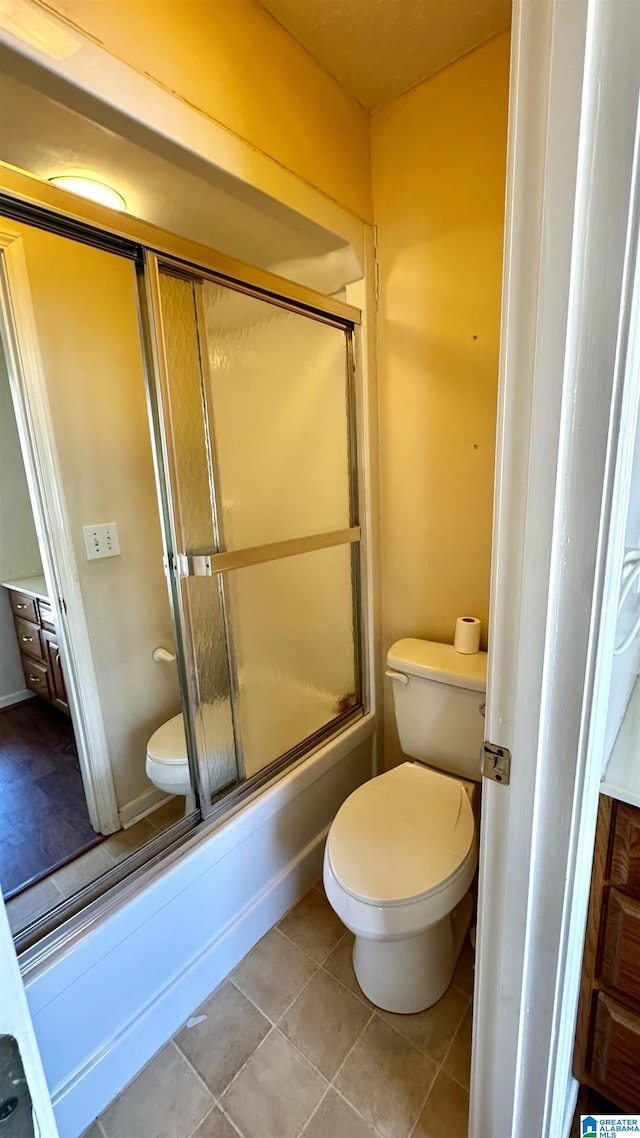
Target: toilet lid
[[401, 835], [168, 744]]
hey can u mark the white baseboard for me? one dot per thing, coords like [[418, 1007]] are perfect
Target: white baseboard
[[144, 804], [16, 697]]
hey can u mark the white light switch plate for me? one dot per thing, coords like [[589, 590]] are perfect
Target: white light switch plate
[[101, 541]]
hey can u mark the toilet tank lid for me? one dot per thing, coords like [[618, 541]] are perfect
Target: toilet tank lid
[[439, 662]]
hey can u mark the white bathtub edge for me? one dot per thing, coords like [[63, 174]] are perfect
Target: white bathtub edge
[[104, 1005], [106, 1073]]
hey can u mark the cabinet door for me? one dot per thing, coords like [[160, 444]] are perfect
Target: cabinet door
[[625, 860], [620, 959], [616, 1052], [56, 676]]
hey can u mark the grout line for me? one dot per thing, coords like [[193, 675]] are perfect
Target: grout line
[[344, 1098], [200, 1121], [351, 1049], [275, 1022], [314, 1111], [440, 1066], [317, 963], [172, 1043]]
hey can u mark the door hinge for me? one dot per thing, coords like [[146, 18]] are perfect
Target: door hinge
[[496, 763]]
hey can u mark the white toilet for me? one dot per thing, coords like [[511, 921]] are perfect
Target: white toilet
[[402, 851], [167, 765]]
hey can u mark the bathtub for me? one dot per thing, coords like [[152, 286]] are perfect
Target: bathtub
[[105, 1002]]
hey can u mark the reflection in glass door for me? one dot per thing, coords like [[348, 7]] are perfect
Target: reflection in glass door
[[255, 401]]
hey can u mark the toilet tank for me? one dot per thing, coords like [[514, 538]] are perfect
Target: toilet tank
[[438, 696]]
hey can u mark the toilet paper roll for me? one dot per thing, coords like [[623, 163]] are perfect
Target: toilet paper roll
[[467, 635]]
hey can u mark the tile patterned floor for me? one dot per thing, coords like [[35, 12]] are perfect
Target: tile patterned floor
[[48, 893], [289, 1047]]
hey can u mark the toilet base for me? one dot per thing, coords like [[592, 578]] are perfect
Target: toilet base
[[411, 973]]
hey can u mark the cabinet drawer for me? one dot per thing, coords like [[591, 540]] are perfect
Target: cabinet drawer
[[46, 616], [625, 856], [620, 960], [23, 606], [29, 639], [36, 678], [615, 1062]]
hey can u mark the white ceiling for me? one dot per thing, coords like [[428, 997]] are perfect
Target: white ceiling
[[377, 49]]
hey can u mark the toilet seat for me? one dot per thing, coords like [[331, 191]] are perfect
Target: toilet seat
[[410, 858], [401, 837], [168, 745]]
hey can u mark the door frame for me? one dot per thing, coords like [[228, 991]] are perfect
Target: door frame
[[570, 238], [18, 331]]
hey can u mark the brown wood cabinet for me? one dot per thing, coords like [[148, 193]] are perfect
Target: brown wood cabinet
[[607, 1052], [39, 648]]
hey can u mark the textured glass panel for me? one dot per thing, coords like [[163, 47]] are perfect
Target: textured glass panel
[[201, 597], [294, 645], [278, 405], [214, 722], [185, 410]]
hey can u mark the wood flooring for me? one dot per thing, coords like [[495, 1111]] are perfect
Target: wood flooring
[[43, 812]]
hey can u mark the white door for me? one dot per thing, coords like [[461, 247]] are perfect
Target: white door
[[15, 1022], [569, 260]]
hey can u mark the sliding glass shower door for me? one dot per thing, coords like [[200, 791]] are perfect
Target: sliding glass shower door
[[256, 411]]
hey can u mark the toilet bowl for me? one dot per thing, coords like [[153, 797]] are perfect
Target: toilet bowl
[[399, 860], [401, 853], [167, 764]]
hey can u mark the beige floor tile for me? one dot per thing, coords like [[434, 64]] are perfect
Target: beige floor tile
[[79, 872], [94, 1131], [386, 1079], [215, 1125], [464, 974], [433, 1030], [334, 1118], [166, 1100], [125, 842], [458, 1061], [32, 903], [446, 1111], [274, 973], [325, 1022], [313, 926], [220, 1044], [276, 1093], [166, 815], [340, 964]]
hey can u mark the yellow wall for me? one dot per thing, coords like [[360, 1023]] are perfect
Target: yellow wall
[[86, 315], [233, 61], [438, 160]]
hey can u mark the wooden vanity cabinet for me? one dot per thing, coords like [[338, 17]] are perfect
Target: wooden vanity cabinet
[[607, 1052], [39, 648]]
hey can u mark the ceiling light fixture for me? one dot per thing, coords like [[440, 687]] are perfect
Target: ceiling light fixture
[[90, 188]]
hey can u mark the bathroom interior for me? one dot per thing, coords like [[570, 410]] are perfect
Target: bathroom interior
[[329, 430]]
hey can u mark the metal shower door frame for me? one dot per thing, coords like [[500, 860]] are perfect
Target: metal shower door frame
[[218, 561]]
